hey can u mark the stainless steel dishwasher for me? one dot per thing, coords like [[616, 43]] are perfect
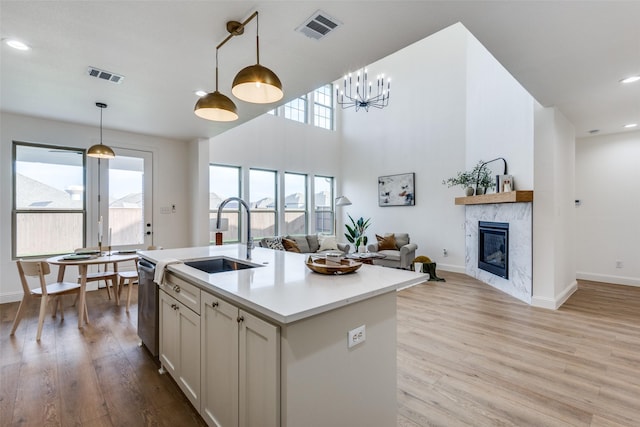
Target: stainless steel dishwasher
[[148, 312]]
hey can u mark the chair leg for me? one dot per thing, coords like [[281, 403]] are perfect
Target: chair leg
[[130, 287], [20, 313], [43, 310], [106, 283], [61, 307]]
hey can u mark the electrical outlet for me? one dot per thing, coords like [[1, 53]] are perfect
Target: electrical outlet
[[619, 264], [173, 208], [445, 253], [356, 336]]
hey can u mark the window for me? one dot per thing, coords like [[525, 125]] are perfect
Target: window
[[295, 203], [323, 107], [130, 198], [323, 187], [317, 104], [224, 182], [263, 202], [296, 109], [49, 200]]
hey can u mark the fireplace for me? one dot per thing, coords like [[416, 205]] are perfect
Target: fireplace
[[493, 247]]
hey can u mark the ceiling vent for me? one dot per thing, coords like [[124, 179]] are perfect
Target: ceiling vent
[[318, 25], [105, 75]]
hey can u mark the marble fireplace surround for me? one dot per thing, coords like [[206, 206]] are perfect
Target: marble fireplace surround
[[519, 217]]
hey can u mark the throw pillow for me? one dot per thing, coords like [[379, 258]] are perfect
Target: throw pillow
[[388, 242], [327, 243], [302, 243], [273, 243], [290, 246]]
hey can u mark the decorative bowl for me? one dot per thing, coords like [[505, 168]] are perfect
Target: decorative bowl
[[320, 265]]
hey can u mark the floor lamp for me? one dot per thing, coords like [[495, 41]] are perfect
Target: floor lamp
[[340, 201]]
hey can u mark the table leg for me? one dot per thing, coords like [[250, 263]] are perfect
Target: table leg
[[83, 289], [61, 269], [115, 283]]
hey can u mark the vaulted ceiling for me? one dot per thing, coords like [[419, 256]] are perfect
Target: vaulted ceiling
[[569, 54]]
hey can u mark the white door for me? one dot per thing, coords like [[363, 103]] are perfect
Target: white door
[[129, 206]]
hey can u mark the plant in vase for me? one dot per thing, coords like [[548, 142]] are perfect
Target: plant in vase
[[482, 178], [463, 179], [355, 232]]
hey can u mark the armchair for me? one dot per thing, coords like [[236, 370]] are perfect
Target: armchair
[[399, 252]]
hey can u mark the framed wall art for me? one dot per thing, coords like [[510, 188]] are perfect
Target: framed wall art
[[397, 190]]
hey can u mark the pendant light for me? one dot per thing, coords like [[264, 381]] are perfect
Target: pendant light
[[255, 83], [216, 106], [101, 151]]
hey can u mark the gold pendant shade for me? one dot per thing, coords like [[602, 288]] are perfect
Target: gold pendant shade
[[257, 84], [101, 151], [216, 106]]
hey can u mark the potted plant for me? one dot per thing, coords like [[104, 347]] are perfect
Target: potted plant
[[356, 232], [482, 178], [463, 179]]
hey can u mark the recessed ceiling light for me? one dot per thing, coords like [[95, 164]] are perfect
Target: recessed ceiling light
[[200, 93], [631, 125], [630, 79], [17, 44]]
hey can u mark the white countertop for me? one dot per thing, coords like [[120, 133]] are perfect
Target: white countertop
[[283, 289]]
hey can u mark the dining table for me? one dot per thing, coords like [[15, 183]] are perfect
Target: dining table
[[83, 262]]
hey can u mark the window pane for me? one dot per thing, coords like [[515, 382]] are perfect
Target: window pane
[[295, 222], [323, 107], [40, 234], [126, 200], [224, 182], [296, 109], [49, 178], [324, 204], [262, 197], [295, 190], [49, 200]]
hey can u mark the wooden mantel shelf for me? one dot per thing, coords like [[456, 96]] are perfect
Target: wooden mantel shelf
[[509, 197]]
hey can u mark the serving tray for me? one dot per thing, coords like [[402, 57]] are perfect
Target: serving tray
[[319, 265]]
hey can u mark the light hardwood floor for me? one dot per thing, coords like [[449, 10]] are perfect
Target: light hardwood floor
[[471, 355], [467, 355]]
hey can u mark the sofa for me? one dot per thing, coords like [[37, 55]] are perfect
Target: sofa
[[305, 244], [397, 249]]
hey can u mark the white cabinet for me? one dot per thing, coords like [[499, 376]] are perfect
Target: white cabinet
[[180, 342], [240, 367]]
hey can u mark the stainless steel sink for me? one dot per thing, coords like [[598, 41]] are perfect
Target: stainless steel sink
[[219, 264]]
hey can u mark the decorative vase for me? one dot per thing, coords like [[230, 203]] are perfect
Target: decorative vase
[[479, 191], [362, 249], [468, 191]]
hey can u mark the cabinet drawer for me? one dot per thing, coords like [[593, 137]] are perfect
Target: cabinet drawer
[[183, 291]]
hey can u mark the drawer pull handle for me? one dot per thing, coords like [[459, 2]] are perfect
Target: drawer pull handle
[[176, 289], [240, 319], [215, 304]]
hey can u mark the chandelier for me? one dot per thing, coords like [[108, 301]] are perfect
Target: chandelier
[[363, 95]]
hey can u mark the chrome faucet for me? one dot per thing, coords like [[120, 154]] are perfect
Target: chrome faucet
[[246, 206]]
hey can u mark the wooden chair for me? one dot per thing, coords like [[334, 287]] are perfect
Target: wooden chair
[[130, 277], [106, 275], [41, 269]]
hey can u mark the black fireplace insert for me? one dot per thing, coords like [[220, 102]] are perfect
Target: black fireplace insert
[[493, 247]]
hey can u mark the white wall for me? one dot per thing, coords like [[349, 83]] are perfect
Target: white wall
[[554, 261], [499, 117], [422, 131], [169, 183], [608, 226]]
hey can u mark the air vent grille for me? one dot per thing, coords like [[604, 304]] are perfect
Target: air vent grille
[[318, 25], [105, 75]]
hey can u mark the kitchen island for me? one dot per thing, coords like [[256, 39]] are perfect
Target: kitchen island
[[306, 349]]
